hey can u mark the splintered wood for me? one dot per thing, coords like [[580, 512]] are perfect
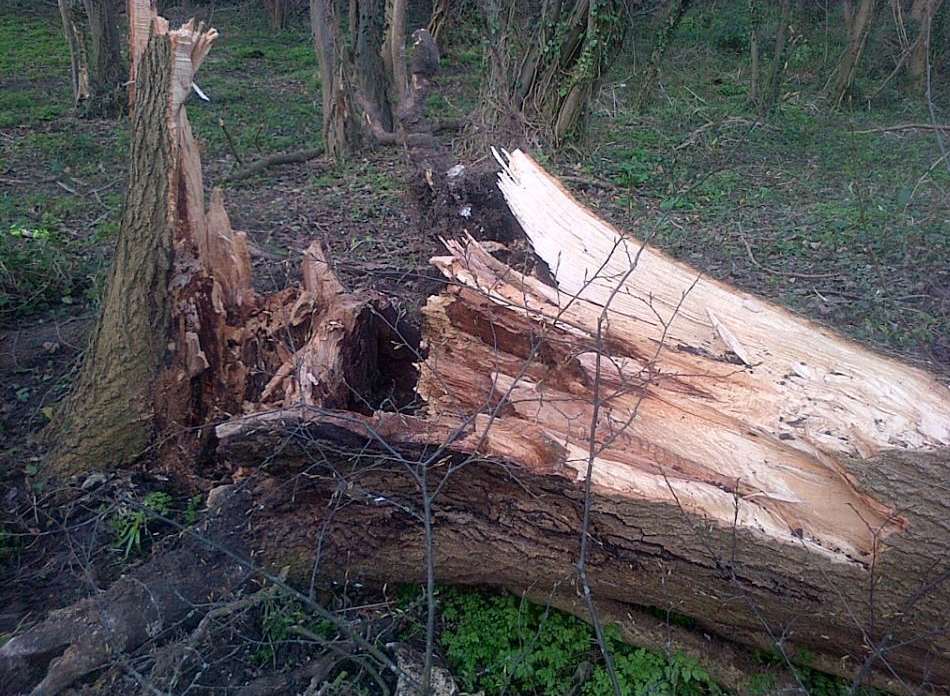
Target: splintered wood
[[707, 398]]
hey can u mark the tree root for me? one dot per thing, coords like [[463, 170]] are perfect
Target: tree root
[[162, 593]]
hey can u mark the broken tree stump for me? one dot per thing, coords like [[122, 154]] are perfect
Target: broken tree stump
[[752, 470], [781, 485]]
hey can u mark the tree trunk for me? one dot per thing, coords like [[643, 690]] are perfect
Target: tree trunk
[[779, 484], [439, 19], [340, 125], [860, 27], [98, 75], [368, 62], [663, 37], [754, 85], [108, 74], [923, 13], [277, 13], [546, 66], [773, 86], [69, 10]]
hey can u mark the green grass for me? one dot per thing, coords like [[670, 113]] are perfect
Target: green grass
[[845, 226], [32, 49]]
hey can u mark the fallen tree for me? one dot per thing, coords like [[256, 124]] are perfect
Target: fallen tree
[[710, 454]]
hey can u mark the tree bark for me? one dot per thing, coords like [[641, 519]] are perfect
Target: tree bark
[[108, 74], [923, 13], [340, 125], [859, 23], [663, 37], [97, 74], [545, 66], [76, 41]]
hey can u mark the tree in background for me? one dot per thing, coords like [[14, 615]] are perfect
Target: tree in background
[[923, 13], [764, 93], [858, 22], [372, 87], [663, 37], [97, 72], [546, 61]]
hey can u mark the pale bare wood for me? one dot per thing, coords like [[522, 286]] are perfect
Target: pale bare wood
[[772, 431]]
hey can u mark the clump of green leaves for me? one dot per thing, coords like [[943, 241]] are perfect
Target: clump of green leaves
[[498, 643], [641, 671], [132, 526], [493, 641], [193, 510]]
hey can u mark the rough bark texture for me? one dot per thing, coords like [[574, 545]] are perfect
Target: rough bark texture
[[97, 73], [340, 124], [108, 418], [546, 65], [70, 11], [750, 469], [107, 71]]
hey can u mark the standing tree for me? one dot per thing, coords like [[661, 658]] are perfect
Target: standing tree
[[97, 71], [764, 93], [546, 62], [371, 90], [923, 13], [663, 37], [858, 22]]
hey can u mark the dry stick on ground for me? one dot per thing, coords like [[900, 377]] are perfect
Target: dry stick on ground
[[906, 126], [263, 163]]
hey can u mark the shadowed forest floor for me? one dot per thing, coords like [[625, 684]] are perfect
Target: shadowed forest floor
[[849, 227]]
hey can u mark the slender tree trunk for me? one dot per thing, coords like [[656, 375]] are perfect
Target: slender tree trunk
[[754, 53], [860, 27], [923, 12], [73, 28], [277, 12], [369, 66], [439, 19], [396, 42], [664, 35], [774, 85], [340, 125]]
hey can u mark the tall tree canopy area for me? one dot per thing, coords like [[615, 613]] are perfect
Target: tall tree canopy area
[[97, 72], [546, 59]]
